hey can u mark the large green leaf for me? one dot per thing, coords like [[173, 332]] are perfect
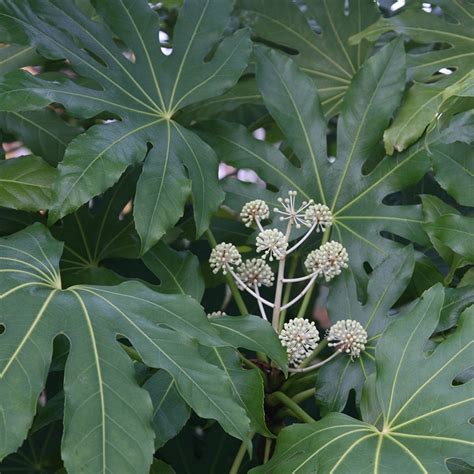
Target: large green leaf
[[452, 30], [455, 232], [336, 379], [423, 418], [145, 93], [25, 183], [103, 430], [318, 34], [453, 166], [42, 131], [355, 196]]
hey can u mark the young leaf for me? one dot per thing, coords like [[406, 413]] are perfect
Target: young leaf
[[424, 418], [103, 430], [355, 198], [324, 52], [25, 183], [145, 93], [387, 282], [454, 29]]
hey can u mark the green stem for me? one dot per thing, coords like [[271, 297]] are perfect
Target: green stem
[[132, 353], [279, 397], [268, 448], [239, 457], [287, 292], [305, 303], [302, 396]]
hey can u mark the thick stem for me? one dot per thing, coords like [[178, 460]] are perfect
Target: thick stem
[[239, 457], [302, 396], [314, 366], [279, 397], [267, 451]]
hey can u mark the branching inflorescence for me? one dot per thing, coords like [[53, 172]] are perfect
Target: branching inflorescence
[[298, 335]]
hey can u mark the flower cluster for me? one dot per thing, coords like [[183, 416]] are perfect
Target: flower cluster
[[254, 211], [255, 272], [223, 257], [272, 243], [348, 336], [327, 261], [300, 337]]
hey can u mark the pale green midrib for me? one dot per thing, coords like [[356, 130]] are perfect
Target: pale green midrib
[[309, 43], [107, 148], [82, 61], [305, 132], [359, 130], [99, 377], [145, 50], [39, 127], [146, 238], [198, 165], [25, 338], [185, 55]]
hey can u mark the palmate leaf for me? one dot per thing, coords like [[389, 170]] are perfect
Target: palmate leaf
[[103, 431], [454, 31], [25, 183], [355, 196], [319, 35], [424, 419], [97, 232], [145, 93], [42, 131], [387, 282]]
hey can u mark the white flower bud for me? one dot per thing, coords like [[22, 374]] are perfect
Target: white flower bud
[[320, 215], [348, 336], [216, 314], [327, 261], [300, 337], [256, 271], [272, 242], [224, 255], [254, 210]]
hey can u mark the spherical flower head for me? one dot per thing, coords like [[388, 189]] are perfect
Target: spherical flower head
[[328, 260], [272, 242], [300, 337], [224, 256], [216, 314], [348, 336], [318, 215], [256, 272], [253, 211]]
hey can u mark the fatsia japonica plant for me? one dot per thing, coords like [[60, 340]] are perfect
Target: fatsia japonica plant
[[236, 236]]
